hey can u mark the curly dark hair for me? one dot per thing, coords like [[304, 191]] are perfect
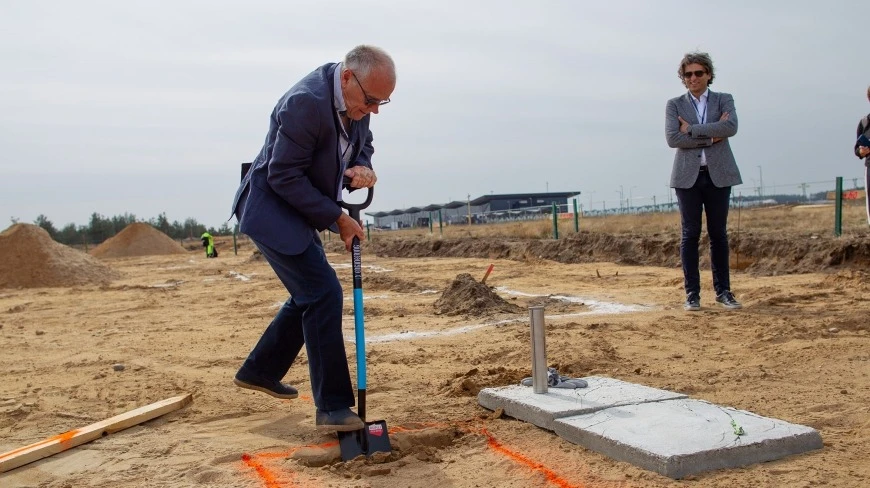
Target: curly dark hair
[[697, 58]]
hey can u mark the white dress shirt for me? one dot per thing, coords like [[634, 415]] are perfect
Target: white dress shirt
[[345, 148], [700, 105]]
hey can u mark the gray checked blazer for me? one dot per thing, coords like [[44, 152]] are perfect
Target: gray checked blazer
[[720, 160]]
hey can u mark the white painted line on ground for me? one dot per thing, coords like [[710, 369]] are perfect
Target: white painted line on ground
[[239, 276], [407, 336], [372, 268], [172, 284], [596, 307]]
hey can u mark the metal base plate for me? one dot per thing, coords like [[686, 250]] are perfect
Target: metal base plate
[[365, 442]]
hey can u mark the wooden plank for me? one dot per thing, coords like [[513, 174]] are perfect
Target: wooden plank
[[59, 443]]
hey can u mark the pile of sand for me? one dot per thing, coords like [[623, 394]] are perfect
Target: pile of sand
[[465, 295], [138, 239], [761, 253], [379, 281], [29, 258]]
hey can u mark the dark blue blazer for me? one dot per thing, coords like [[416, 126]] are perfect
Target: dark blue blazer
[[289, 194]]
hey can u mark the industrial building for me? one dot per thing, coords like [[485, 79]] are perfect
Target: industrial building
[[487, 208]]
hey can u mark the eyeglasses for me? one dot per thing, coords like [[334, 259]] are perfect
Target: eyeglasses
[[688, 74], [369, 100]]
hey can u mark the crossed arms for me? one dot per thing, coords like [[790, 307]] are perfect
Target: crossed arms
[[684, 136]]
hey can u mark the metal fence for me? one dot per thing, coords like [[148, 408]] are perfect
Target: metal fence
[[593, 205]]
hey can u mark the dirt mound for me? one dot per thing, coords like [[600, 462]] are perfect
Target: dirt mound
[[29, 258], [557, 306], [471, 382], [422, 442], [138, 239], [374, 281], [755, 253], [465, 295]]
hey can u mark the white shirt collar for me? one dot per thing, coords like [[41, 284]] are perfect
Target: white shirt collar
[[336, 89], [702, 98]]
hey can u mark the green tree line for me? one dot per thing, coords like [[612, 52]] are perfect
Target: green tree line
[[100, 228]]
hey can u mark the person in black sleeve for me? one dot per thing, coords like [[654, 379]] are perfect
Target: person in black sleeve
[[864, 152]]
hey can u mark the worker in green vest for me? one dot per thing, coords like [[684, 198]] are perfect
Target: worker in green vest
[[208, 244]]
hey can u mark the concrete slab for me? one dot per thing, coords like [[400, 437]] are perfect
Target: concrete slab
[[677, 438], [542, 409]]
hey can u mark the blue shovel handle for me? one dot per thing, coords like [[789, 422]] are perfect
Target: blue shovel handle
[[358, 320]]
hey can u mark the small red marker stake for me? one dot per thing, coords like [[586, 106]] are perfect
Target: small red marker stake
[[488, 271]]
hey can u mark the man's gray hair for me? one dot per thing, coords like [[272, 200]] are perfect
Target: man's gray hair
[[364, 59], [697, 58], [868, 92]]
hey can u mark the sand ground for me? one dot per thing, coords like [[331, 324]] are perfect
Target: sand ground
[[182, 323]]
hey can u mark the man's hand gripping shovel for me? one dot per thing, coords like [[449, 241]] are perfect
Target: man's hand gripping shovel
[[374, 436]]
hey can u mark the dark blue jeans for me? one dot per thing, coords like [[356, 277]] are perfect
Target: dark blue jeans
[[311, 316], [867, 187], [713, 201]]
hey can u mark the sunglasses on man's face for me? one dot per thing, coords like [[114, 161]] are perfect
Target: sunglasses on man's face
[[698, 74]]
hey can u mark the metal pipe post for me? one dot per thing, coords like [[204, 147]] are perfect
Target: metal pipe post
[[539, 350], [555, 222], [576, 217], [838, 207]]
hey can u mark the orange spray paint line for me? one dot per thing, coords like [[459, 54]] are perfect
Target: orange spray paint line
[[551, 476], [270, 478]]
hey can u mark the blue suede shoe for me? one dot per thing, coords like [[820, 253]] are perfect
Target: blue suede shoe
[[343, 420], [277, 389]]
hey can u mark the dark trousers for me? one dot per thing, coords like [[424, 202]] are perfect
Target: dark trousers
[[713, 201], [311, 316], [867, 187]]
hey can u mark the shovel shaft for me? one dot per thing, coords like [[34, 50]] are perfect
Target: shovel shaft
[[358, 318], [374, 437], [361, 403]]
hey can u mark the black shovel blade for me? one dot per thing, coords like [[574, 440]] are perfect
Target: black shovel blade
[[367, 441]]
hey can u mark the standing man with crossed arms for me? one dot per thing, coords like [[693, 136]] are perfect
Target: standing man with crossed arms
[[318, 143], [698, 124]]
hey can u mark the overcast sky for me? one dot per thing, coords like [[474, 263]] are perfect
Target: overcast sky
[[112, 107]]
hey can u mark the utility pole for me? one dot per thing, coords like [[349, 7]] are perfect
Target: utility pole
[[803, 187], [621, 198], [760, 183], [469, 209]]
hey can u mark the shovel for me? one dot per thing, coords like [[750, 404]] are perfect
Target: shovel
[[373, 437]]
